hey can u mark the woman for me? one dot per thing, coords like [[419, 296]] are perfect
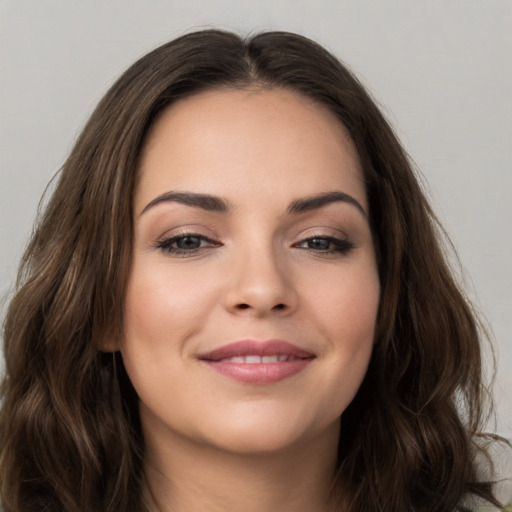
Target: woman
[[236, 299]]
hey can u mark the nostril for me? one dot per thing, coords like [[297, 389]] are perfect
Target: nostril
[[279, 306]]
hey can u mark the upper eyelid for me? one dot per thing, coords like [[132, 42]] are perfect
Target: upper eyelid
[[313, 232], [292, 232], [342, 239], [193, 230], [322, 231], [184, 234], [187, 234], [322, 235]]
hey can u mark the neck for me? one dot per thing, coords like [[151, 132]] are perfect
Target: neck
[[182, 476]]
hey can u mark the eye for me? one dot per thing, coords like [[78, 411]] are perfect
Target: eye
[[326, 245], [186, 244]]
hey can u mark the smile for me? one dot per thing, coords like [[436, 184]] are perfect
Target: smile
[[255, 359], [258, 362]]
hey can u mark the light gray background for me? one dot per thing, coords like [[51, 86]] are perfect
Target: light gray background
[[441, 68]]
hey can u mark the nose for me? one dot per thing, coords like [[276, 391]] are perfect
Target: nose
[[260, 284]]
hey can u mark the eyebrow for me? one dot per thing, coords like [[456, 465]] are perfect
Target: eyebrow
[[203, 201], [319, 200], [217, 204]]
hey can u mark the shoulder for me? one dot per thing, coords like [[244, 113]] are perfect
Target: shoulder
[[502, 457], [498, 469]]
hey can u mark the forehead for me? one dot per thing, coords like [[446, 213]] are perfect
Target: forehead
[[222, 141]]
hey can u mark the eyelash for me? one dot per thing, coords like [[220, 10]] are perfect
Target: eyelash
[[337, 245], [166, 245]]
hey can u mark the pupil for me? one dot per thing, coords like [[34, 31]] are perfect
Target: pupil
[[188, 242], [319, 243]]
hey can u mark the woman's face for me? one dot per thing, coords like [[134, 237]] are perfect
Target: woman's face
[[252, 299]]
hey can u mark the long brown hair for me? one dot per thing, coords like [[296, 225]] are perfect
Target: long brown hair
[[70, 438]]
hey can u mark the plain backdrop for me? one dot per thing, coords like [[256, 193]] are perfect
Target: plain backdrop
[[440, 69]]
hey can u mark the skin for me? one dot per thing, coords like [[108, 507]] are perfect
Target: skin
[[214, 443]]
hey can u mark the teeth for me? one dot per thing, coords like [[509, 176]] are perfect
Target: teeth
[[254, 359]]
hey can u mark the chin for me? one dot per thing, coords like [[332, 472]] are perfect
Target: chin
[[266, 434]]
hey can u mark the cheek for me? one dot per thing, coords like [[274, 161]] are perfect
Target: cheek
[[346, 314], [163, 307], [162, 311], [346, 305]]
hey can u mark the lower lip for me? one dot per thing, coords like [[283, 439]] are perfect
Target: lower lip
[[260, 373]]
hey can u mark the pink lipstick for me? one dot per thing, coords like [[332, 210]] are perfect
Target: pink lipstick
[[258, 362]]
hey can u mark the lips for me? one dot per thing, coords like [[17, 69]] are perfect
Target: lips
[[258, 362], [255, 359]]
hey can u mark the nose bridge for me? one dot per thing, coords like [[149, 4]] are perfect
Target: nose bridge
[[260, 280]]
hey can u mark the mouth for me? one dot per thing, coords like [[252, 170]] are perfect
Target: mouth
[[255, 359], [258, 362]]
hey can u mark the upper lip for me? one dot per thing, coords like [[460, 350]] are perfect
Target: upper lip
[[260, 348]]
